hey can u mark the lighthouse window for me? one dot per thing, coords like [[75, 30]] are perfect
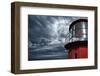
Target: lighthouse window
[[78, 25], [84, 31], [85, 25], [73, 33], [81, 25], [78, 31]]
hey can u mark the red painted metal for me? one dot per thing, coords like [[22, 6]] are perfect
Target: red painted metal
[[79, 51]]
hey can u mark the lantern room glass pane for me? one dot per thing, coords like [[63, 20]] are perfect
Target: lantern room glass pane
[[80, 25]]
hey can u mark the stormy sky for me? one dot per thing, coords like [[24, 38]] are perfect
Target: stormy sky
[[46, 36]]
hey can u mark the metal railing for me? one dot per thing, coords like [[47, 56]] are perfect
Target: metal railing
[[70, 38]]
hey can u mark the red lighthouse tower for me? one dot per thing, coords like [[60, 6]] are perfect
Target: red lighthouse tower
[[77, 39]]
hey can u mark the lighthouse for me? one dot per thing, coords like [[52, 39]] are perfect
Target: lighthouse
[[77, 39]]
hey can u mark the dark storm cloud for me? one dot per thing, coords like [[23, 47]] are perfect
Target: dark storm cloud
[[38, 27]]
